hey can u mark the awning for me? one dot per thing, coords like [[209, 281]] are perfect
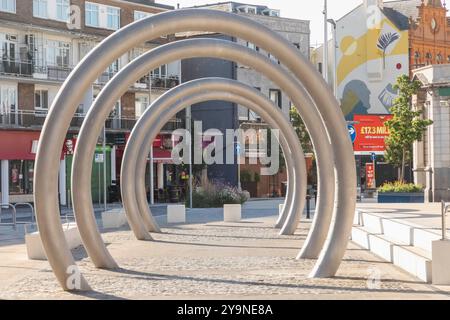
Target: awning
[[19, 145]]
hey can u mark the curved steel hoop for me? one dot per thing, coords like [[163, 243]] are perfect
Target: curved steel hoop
[[154, 118], [66, 102]]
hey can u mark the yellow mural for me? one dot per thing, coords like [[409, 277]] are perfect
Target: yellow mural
[[356, 52]]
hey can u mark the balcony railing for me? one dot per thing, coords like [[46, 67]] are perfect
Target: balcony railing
[[27, 68], [32, 119], [35, 119], [158, 82]]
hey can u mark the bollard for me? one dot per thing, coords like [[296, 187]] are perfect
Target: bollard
[[308, 207]]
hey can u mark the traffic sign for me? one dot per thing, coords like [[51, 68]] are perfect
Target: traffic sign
[[352, 133], [373, 156]]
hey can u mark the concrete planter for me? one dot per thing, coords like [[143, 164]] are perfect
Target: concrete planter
[[232, 212], [176, 214], [393, 197]]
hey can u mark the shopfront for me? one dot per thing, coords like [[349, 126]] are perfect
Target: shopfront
[[17, 155]]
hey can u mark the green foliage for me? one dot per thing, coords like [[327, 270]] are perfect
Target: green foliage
[[301, 131], [400, 187], [215, 195], [246, 176], [406, 126]]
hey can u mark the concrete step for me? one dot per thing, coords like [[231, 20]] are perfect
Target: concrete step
[[401, 232], [413, 260]]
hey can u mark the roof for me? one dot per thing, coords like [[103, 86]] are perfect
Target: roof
[[399, 12], [151, 3]]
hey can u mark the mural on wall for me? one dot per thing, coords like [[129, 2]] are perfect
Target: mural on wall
[[370, 58]]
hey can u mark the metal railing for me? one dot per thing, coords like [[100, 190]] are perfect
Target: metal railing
[[26, 204], [160, 82], [36, 118], [27, 68], [28, 119], [14, 215]]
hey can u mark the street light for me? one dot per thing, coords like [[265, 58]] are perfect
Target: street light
[[335, 46], [325, 40]]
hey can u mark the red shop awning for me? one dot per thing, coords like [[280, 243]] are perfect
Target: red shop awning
[[19, 145]]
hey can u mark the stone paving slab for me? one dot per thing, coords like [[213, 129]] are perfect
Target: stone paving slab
[[214, 260]]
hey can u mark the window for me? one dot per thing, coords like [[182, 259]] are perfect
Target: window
[[8, 98], [320, 67], [113, 68], [271, 57], [252, 46], [8, 6], [141, 105], [41, 100], [275, 96], [92, 15], [58, 53], [40, 8], [138, 15], [21, 173], [62, 10], [247, 9], [113, 15], [160, 72]]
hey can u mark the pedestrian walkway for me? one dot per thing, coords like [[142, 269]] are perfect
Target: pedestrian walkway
[[209, 259]]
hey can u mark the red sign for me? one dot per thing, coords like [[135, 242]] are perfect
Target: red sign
[[69, 146], [158, 142], [370, 176], [370, 133]]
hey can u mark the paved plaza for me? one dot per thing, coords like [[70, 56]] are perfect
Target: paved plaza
[[210, 259]]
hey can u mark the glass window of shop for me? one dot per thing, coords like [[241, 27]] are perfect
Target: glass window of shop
[[21, 174]]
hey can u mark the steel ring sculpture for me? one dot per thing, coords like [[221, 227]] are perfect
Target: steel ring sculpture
[[182, 49], [139, 67], [66, 102], [150, 123], [289, 205]]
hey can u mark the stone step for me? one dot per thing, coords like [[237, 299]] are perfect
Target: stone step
[[413, 260], [401, 232]]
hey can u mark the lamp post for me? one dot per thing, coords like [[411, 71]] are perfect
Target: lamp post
[[335, 47], [325, 41]]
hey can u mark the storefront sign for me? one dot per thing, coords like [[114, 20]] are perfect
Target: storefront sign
[[69, 146], [99, 158], [371, 133], [370, 176]]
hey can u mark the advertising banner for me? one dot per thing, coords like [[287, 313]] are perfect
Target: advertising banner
[[370, 176], [371, 133]]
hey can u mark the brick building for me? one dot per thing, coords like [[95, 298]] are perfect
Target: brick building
[[40, 42]]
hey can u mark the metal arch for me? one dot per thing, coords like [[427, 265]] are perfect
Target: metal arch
[[135, 156], [190, 49], [66, 102]]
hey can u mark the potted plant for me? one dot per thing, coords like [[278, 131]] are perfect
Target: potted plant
[[401, 192]]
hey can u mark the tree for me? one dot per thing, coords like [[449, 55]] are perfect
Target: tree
[[305, 141], [301, 131], [406, 126]]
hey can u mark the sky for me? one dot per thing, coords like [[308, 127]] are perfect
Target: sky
[[297, 9]]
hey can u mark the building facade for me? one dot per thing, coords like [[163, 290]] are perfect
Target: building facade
[[41, 41], [234, 117], [372, 52], [432, 154], [429, 34], [376, 43]]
